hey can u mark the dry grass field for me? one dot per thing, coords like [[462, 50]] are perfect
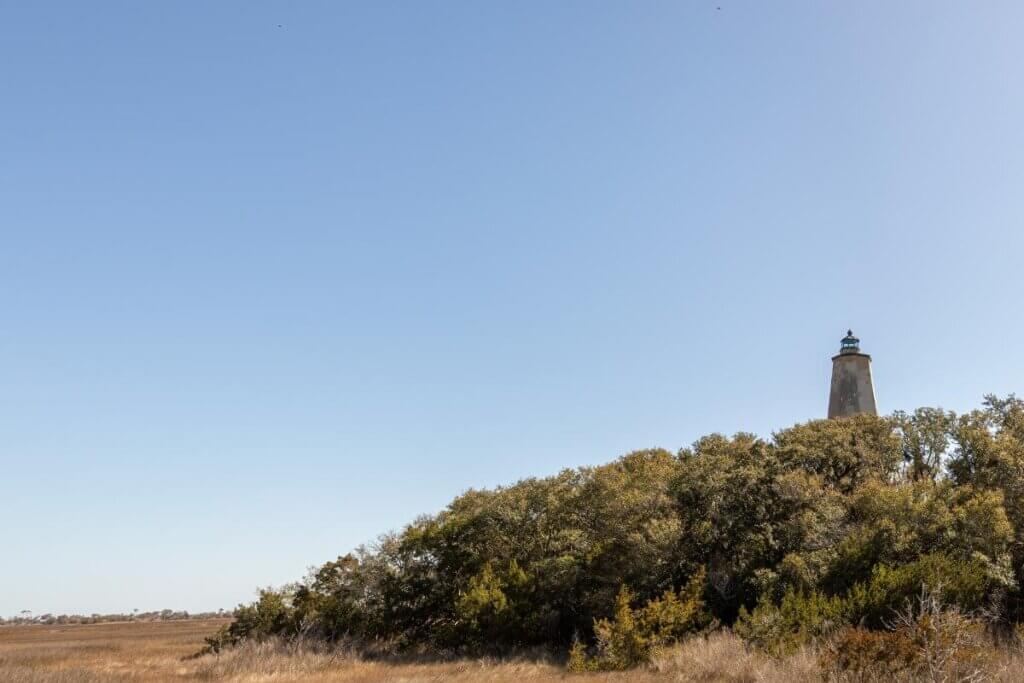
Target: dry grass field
[[159, 651], [132, 651]]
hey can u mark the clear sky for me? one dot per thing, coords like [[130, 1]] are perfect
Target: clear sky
[[278, 277]]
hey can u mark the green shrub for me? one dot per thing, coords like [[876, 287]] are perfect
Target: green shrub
[[674, 615], [483, 609], [620, 643], [269, 615], [890, 589], [633, 636], [800, 618], [578, 661]]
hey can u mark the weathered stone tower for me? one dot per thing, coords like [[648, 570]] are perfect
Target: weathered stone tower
[[853, 392]]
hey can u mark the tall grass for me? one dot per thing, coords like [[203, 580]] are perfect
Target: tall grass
[[134, 653]]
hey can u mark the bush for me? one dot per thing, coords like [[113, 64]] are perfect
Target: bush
[[890, 589], [635, 635], [674, 615], [620, 642], [872, 655], [799, 619], [483, 609], [927, 640], [268, 616]]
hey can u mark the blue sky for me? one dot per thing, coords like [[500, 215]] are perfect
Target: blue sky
[[278, 277]]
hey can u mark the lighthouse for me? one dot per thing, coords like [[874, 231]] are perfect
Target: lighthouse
[[853, 392]]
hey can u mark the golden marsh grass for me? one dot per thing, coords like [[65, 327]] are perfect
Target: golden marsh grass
[[160, 651]]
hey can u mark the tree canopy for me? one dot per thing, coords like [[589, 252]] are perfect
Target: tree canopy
[[830, 521]]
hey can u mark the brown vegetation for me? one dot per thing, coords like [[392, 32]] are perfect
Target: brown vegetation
[[84, 653], [160, 651]]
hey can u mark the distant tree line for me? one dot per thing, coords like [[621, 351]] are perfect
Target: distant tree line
[[826, 525], [26, 618]]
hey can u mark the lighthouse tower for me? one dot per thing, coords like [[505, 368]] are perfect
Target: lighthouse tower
[[852, 393]]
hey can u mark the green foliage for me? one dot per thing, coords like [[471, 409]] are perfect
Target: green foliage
[[961, 583], [925, 440], [634, 635], [266, 616], [828, 523], [487, 610], [846, 452], [676, 614], [800, 618], [743, 513], [578, 661], [270, 615], [620, 642]]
